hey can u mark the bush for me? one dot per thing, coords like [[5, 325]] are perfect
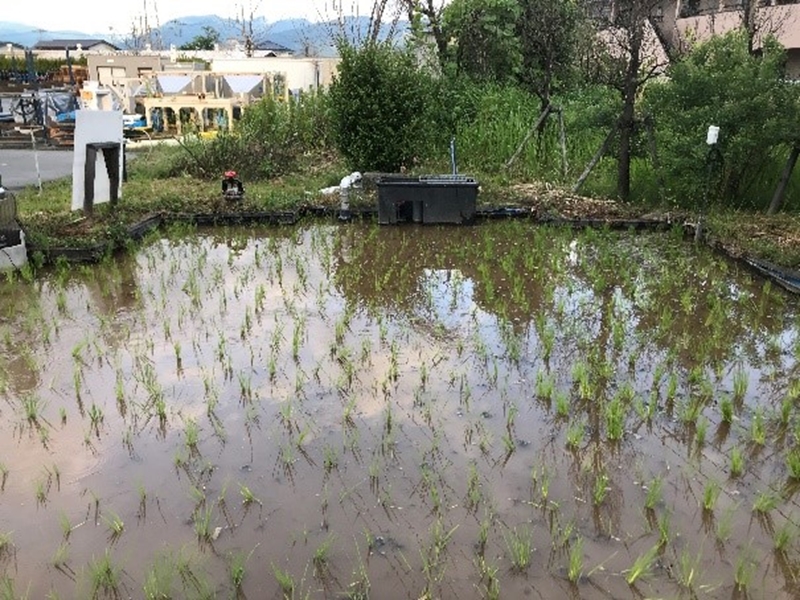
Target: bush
[[720, 83], [266, 142], [381, 105]]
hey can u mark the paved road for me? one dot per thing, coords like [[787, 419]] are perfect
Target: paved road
[[18, 167]]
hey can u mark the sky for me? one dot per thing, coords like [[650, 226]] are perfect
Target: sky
[[117, 16]]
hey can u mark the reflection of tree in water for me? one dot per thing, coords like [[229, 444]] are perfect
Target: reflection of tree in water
[[688, 306], [620, 303], [398, 268]]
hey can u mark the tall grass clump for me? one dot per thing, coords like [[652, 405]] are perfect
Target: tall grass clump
[[267, 142]]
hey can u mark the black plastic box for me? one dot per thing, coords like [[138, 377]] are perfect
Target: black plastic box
[[427, 199]]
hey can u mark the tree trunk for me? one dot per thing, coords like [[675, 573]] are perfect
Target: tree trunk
[[595, 159], [539, 122], [780, 192]]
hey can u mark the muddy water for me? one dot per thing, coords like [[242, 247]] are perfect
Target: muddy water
[[392, 412]]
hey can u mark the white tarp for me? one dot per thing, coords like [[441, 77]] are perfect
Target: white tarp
[[243, 84], [173, 84]]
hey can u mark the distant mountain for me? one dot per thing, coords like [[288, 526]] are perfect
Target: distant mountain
[[28, 35], [301, 35]]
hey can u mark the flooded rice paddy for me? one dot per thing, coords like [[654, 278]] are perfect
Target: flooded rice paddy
[[351, 411]]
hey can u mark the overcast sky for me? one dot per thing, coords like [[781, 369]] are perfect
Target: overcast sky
[[100, 16]]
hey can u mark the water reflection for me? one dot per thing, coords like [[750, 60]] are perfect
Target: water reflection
[[413, 383]]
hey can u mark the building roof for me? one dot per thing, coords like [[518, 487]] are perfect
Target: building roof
[[270, 46], [85, 44], [4, 45]]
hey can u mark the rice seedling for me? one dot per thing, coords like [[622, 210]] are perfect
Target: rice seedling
[[745, 568], [737, 462], [191, 434], [642, 566], [473, 487], [114, 524], [615, 419], [765, 502], [575, 435], [32, 407], [784, 538], [488, 578], [104, 576], [6, 544], [3, 476], [545, 385], [66, 525], [248, 497], [575, 564], [321, 558], [710, 494], [285, 581], [600, 489], [237, 564], [687, 568], [726, 409], [653, 495], [758, 430], [740, 384], [61, 556], [562, 404], [202, 524], [793, 464], [520, 548], [700, 432], [483, 533]]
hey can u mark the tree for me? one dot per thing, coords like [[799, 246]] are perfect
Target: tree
[[487, 47], [548, 31], [632, 58], [425, 16], [205, 41], [379, 105], [721, 83]]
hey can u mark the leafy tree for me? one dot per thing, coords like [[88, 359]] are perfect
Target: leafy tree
[[380, 102], [550, 35], [205, 41], [626, 66], [720, 82], [487, 47], [425, 16]]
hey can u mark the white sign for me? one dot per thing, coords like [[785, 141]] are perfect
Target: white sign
[[95, 127]]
